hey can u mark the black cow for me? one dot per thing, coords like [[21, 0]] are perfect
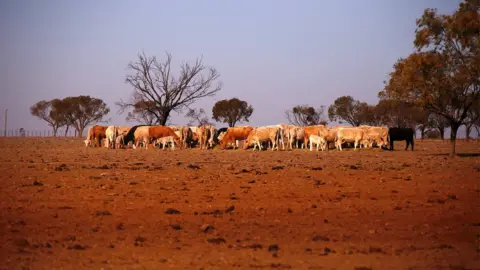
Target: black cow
[[219, 131], [130, 136], [401, 134]]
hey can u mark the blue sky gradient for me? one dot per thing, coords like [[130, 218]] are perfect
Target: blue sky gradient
[[273, 54]]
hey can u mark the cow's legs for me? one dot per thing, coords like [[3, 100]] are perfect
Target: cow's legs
[[411, 144]]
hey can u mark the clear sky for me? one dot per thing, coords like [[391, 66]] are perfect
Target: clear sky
[[273, 54]]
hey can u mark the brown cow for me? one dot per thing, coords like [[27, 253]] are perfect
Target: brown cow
[[157, 132], [311, 130], [233, 134], [95, 133]]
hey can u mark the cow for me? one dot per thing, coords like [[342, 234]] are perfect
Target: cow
[[203, 133], [328, 134], [165, 140], [136, 135], [219, 133], [263, 134], [211, 140], [119, 141], [234, 134], [282, 133], [401, 134], [309, 130], [296, 135], [318, 141], [378, 135], [178, 131], [187, 137], [95, 133], [157, 132], [111, 134], [349, 134]]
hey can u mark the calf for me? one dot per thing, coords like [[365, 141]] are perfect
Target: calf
[[318, 141], [165, 140], [157, 132]]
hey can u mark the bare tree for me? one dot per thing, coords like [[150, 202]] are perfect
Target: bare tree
[[154, 83], [197, 117], [304, 115], [142, 113]]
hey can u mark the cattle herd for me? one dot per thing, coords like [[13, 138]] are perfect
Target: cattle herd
[[286, 136]]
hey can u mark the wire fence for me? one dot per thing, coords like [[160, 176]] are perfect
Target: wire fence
[[37, 133]]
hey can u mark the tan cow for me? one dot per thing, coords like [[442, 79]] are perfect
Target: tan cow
[[263, 134], [328, 134], [141, 135], [373, 135], [349, 134], [296, 135]]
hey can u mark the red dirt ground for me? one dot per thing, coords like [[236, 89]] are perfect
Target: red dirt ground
[[65, 206]]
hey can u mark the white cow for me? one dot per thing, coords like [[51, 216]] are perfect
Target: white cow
[[165, 140], [111, 134], [318, 141]]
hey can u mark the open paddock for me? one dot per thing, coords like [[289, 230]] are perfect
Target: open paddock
[[70, 207]]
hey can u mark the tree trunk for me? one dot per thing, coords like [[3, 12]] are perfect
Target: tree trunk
[[55, 129], [441, 130], [468, 130], [164, 117], [231, 124], [453, 137], [66, 131], [80, 130], [422, 132]]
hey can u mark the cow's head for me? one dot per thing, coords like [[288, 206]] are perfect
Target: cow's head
[[177, 141], [87, 142]]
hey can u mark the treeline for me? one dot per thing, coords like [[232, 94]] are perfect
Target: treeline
[[77, 112], [435, 87]]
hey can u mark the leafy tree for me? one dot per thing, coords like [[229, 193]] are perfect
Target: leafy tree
[[443, 76], [155, 85], [347, 109], [304, 115], [142, 113], [197, 117], [49, 111], [231, 111], [82, 111]]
